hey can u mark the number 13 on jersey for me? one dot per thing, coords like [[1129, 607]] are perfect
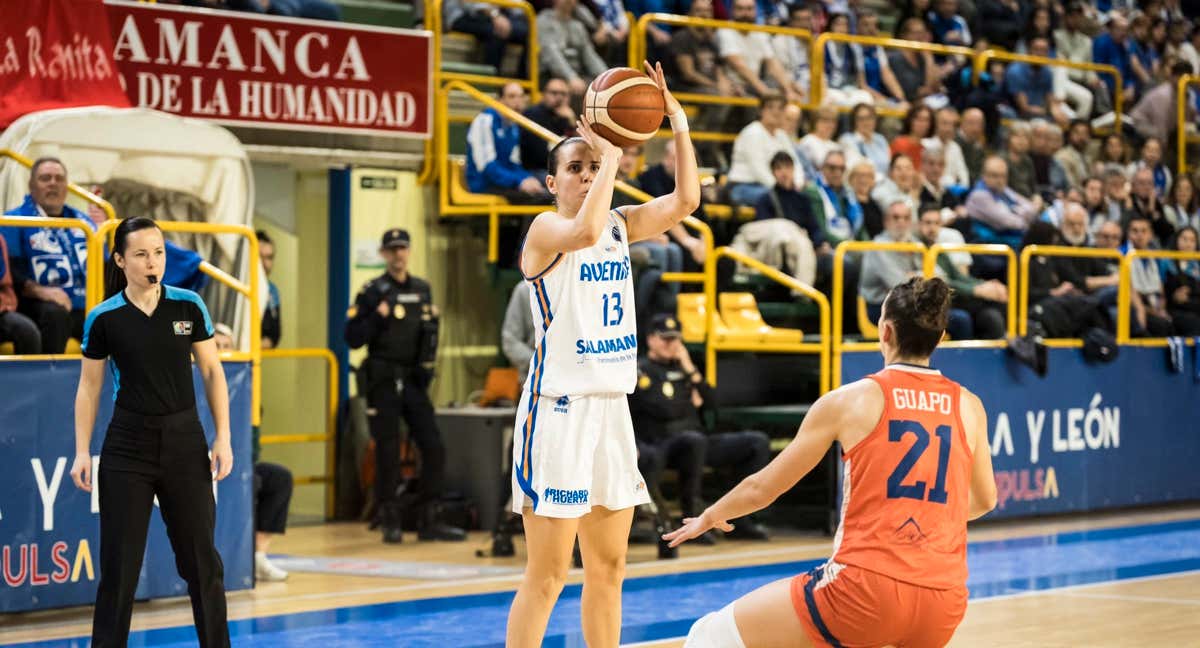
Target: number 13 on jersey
[[613, 312]]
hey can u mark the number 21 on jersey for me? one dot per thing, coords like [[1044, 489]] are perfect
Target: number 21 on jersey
[[613, 312], [896, 488]]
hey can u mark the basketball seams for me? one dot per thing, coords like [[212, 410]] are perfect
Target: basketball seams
[[613, 114]]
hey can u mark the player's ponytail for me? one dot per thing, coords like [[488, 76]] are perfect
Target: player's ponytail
[[919, 310], [114, 276]]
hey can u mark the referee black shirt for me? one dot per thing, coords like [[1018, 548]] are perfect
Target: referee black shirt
[[152, 362]]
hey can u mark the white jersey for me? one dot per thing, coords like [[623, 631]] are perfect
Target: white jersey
[[583, 316]]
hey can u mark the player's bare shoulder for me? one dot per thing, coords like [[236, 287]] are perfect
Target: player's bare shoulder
[[853, 409]]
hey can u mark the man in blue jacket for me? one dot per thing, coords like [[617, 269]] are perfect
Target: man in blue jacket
[[494, 153]]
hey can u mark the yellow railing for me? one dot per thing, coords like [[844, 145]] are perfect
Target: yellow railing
[[94, 247], [1125, 293], [1181, 119], [817, 59], [713, 345], [1064, 251], [982, 58], [329, 437], [937, 249], [71, 186]]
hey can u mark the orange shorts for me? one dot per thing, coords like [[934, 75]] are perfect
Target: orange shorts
[[844, 605]]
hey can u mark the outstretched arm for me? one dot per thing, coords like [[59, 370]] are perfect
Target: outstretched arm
[[662, 213]]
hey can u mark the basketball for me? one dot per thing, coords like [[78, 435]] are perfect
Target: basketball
[[624, 106]]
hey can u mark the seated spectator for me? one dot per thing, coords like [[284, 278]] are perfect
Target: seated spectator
[[1112, 152], [494, 153], [1143, 59], [698, 69], [659, 180], [1181, 284], [314, 9], [861, 185], [1094, 203], [863, 142], [1151, 318], [610, 33], [1000, 21], [999, 214], [627, 173], [881, 271], [1156, 115], [1073, 156], [819, 142], [1152, 150], [845, 80], [658, 37], [915, 70], [565, 47], [1049, 179], [786, 201], [1113, 48], [1058, 306], [553, 113], [972, 138], [977, 311], [666, 410], [517, 335], [1147, 204], [877, 70], [1082, 89], [842, 216], [792, 52], [1031, 86], [1039, 24], [1189, 51], [1021, 175], [902, 185], [748, 55], [15, 327], [933, 194], [750, 173], [494, 27], [1117, 196], [918, 125], [945, 133], [948, 27], [1182, 206]]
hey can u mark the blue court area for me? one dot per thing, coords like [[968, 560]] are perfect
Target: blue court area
[[663, 607]]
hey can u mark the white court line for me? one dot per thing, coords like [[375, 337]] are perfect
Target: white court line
[[1131, 597]]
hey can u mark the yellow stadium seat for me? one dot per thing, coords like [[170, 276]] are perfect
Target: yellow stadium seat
[[73, 347], [460, 195], [739, 312], [6, 348], [868, 330], [692, 312]]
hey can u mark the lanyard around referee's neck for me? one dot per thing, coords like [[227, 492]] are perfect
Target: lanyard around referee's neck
[[154, 305]]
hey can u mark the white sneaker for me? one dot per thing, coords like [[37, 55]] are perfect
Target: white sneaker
[[265, 570]]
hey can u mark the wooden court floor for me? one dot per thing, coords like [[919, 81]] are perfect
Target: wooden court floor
[[1153, 611]]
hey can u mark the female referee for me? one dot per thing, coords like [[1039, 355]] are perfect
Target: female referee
[[155, 445], [917, 467], [574, 457]]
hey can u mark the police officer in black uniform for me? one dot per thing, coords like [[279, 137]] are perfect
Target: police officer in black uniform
[[666, 410], [395, 317]]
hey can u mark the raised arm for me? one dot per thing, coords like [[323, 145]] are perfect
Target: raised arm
[[87, 398], [218, 403], [664, 212]]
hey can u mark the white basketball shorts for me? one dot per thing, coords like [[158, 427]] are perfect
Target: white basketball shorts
[[573, 453]]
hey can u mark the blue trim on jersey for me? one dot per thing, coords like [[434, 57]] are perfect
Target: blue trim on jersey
[[110, 304], [621, 214], [811, 603], [537, 372], [116, 374], [180, 294]]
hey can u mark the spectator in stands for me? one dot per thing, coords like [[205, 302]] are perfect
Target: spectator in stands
[[877, 70], [1082, 89], [972, 138], [903, 184], [271, 327], [945, 137], [698, 69], [947, 26], [1182, 206], [1143, 60], [819, 141], [1112, 152], [918, 125], [494, 152], [863, 142], [1020, 165], [517, 335], [1113, 48], [314, 9], [1190, 50], [842, 215], [1147, 204], [627, 173], [1038, 24], [861, 184], [15, 327], [792, 52], [659, 36], [666, 409], [1072, 157], [659, 180], [881, 271], [1117, 195], [1156, 115], [750, 174], [1152, 153], [914, 9], [845, 80], [565, 47], [1049, 178], [1149, 301], [1000, 21], [785, 200], [610, 33], [935, 194], [1181, 284], [553, 113], [494, 27], [999, 214], [1031, 86], [977, 311], [1094, 202], [748, 55], [915, 70]]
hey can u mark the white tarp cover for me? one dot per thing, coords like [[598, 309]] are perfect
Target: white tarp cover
[[193, 157]]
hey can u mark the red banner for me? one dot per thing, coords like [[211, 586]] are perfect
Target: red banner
[[253, 70], [55, 54]]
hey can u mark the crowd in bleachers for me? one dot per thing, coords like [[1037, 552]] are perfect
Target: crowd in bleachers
[[314, 9]]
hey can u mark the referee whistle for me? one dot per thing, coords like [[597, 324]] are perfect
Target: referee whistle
[[152, 278]]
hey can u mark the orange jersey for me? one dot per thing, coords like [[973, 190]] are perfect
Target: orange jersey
[[905, 485]]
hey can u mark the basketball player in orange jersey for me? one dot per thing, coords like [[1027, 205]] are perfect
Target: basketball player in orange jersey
[[574, 455], [917, 467]]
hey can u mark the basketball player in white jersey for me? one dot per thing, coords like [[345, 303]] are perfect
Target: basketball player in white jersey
[[574, 457]]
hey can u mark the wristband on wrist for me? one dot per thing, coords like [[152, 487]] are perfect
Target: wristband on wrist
[[679, 123]]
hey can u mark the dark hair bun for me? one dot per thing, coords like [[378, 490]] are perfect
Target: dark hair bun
[[932, 297]]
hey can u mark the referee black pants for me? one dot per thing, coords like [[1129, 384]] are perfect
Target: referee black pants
[[167, 457]]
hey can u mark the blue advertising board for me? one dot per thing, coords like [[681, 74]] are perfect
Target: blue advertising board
[[50, 530], [1084, 437]]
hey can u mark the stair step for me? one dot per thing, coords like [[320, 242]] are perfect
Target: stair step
[[464, 67]]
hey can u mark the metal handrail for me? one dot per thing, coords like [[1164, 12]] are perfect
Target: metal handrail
[[1066, 251], [330, 436], [981, 60], [816, 57], [1181, 118], [931, 256], [71, 186], [710, 296], [1125, 296], [93, 243]]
